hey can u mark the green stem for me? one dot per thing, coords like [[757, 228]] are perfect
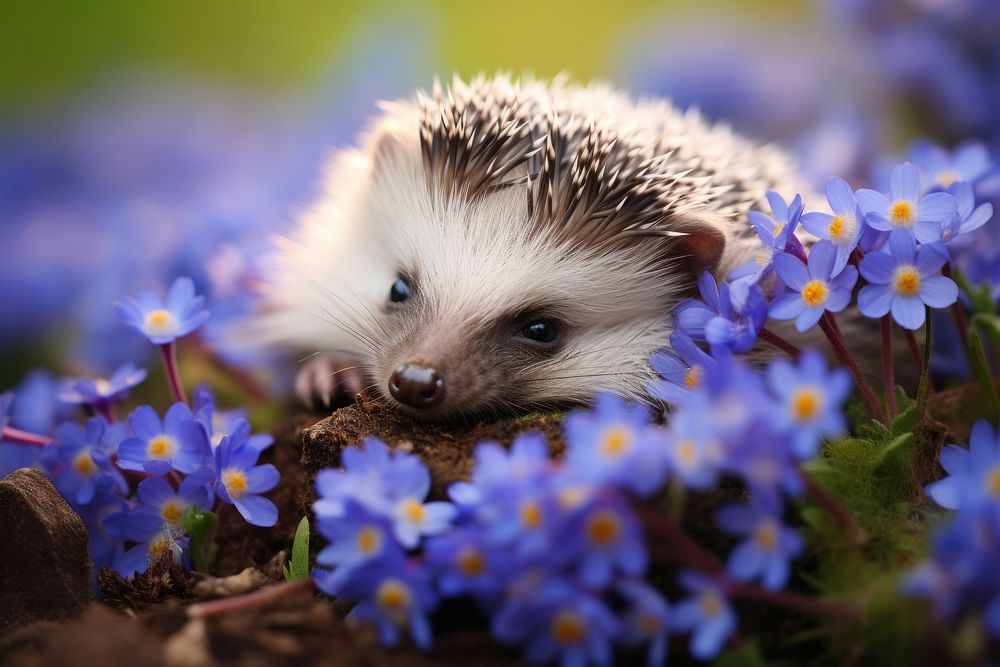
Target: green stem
[[925, 369]]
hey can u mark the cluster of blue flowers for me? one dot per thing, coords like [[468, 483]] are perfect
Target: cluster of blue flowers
[[555, 552], [133, 481], [962, 577]]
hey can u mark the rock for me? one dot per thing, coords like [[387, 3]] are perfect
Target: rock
[[44, 566], [245, 582], [447, 449]]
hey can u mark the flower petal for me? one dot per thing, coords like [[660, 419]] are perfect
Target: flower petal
[[908, 311], [875, 300], [938, 291], [905, 182], [791, 270]]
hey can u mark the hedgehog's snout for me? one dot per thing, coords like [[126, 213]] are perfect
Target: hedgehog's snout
[[417, 385]]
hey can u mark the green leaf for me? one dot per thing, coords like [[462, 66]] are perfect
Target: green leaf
[[903, 401], [746, 655], [892, 459], [200, 527], [906, 421], [298, 568]]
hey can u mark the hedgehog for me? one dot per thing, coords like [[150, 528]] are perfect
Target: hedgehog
[[503, 246]]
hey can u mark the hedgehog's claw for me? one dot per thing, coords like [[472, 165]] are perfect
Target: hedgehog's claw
[[325, 381]]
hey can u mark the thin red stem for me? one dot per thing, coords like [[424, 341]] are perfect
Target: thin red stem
[[679, 545], [793, 601], [107, 410], [169, 353], [958, 312], [19, 437], [888, 369], [774, 339], [258, 598], [837, 511], [829, 327], [918, 357]]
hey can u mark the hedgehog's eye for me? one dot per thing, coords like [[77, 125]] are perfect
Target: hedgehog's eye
[[540, 331], [400, 291]]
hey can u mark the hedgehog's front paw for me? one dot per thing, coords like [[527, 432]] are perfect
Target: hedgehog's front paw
[[326, 380]]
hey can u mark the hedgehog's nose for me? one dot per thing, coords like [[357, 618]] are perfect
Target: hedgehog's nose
[[416, 385]]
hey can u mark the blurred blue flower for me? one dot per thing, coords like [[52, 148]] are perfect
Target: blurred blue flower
[[177, 442], [904, 209], [465, 562], [706, 614], [809, 400], [843, 228], [681, 369], [163, 321], [240, 481], [159, 497], [817, 288], [973, 474], [100, 391], [968, 217], [904, 280], [769, 545], [646, 620], [80, 460], [940, 168], [156, 541], [694, 447], [602, 539]]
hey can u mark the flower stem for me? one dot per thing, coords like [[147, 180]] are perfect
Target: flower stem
[[829, 327], [169, 353], [774, 339], [19, 437], [107, 410], [257, 598], [793, 600], [888, 370], [837, 511], [924, 390], [679, 547], [958, 312], [918, 357]]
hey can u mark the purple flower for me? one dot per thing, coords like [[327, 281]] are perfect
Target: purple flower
[[968, 217], [904, 209], [221, 423], [723, 317], [904, 280], [178, 441], [164, 321], [613, 443], [843, 228], [357, 539], [159, 497], [809, 400], [941, 169], [816, 289], [602, 539], [706, 614], [973, 473], [558, 621], [157, 541], [466, 563], [681, 370], [240, 481], [80, 460], [100, 391], [776, 233], [647, 620], [694, 448], [768, 547]]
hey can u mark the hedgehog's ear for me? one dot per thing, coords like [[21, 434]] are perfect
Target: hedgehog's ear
[[697, 242]]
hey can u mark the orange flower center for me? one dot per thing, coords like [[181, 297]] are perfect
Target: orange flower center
[[567, 627], [603, 528], [907, 280], [814, 293], [902, 213]]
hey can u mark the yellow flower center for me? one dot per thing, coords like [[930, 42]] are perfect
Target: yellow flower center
[[369, 540], [692, 379], [814, 293], [616, 441], [766, 535], [907, 280], [235, 482], [993, 482], [567, 627], [572, 496], [531, 514], [603, 528], [393, 595], [650, 625], [687, 452], [160, 322], [806, 404], [777, 230], [161, 447], [836, 228], [471, 563], [171, 512], [710, 604], [102, 386], [902, 213], [946, 177], [412, 509], [84, 464]]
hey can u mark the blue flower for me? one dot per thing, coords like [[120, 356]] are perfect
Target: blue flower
[[921, 217], [100, 391], [681, 370], [557, 621], [221, 423], [941, 169], [968, 217], [357, 539], [80, 460], [104, 544], [706, 614], [904, 280], [394, 595], [465, 562], [843, 228], [809, 400], [240, 481], [776, 233], [816, 289], [159, 497], [156, 541], [769, 545], [763, 457], [723, 317], [694, 447], [647, 620], [178, 441], [613, 443], [164, 321], [973, 473], [602, 539]]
